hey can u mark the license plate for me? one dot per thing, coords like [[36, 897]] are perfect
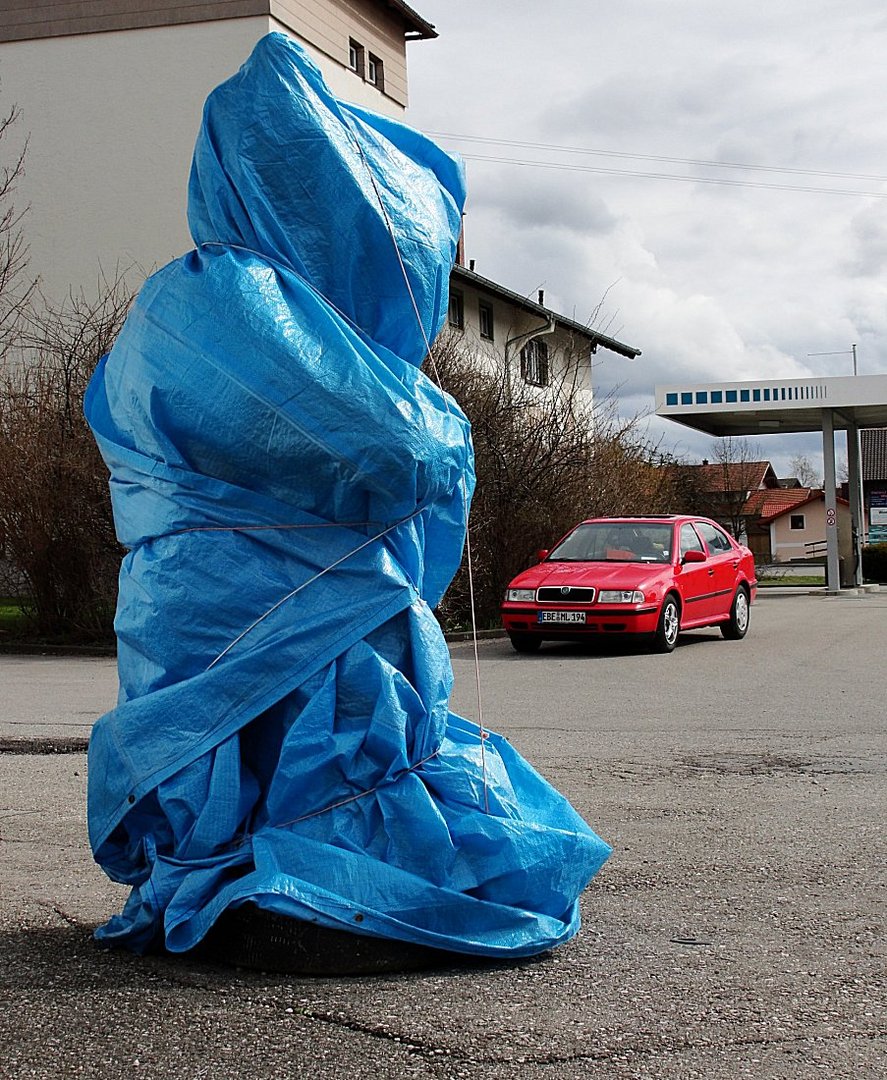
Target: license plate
[[561, 616]]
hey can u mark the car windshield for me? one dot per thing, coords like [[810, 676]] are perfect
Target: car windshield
[[616, 541]]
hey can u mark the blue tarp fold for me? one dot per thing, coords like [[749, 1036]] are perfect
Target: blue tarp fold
[[293, 490]]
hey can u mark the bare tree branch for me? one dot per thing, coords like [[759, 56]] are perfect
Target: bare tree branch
[[543, 463]]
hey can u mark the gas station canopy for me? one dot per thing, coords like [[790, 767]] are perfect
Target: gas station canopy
[[785, 406], [777, 405]]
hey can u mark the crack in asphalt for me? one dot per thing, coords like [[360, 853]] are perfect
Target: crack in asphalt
[[62, 914], [434, 1052], [644, 1045], [415, 1046]]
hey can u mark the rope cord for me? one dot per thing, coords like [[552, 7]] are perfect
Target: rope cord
[[311, 581], [358, 795], [262, 528]]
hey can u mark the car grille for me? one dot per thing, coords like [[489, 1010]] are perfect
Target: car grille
[[564, 594]]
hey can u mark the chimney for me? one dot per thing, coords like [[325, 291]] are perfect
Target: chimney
[[541, 298], [471, 265]]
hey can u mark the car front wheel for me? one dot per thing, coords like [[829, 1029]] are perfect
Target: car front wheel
[[666, 636], [736, 626], [525, 643]]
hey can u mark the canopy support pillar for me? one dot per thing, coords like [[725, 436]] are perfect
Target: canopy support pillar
[[832, 566], [854, 470]]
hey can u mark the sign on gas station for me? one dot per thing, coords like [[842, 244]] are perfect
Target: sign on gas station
[[878, 517]]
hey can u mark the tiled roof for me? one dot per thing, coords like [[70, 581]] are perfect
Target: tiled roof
[[732, 476], [774, 501], [464, 275], [813, 495], [874, 453]]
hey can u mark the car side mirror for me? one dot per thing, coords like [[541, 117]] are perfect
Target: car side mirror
[[542, 554], [694, 556]]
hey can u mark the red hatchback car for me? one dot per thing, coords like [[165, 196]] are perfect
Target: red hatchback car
[[653, 576]]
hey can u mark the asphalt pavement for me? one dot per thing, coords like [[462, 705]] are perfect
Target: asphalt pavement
[[736, 931]]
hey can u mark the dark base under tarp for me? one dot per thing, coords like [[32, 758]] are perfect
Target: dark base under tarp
[[251, 937]]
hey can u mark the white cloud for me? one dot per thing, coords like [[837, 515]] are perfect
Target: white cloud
[[709, 281]]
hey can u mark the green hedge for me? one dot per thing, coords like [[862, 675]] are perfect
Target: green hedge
[[874, 563]]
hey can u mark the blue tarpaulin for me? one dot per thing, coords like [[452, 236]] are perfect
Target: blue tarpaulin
[[292, 491]]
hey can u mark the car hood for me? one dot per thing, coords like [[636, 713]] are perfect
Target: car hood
[[599, 575]]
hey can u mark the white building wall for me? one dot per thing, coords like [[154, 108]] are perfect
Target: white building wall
[[111, 120], [509, 325], [787, 543]]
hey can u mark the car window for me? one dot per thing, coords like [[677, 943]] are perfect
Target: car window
[[615, 541], [689, 540], [717, 540]]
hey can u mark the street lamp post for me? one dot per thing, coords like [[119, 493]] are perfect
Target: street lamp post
[[843, 352]]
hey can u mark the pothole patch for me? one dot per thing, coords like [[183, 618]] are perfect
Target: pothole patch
[[44, 745]]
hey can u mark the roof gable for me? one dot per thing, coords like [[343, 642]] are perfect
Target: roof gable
[[774, 511], [734, 476], [461, 274]]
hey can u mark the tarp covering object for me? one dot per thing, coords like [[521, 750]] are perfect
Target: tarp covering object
[[292, 492]]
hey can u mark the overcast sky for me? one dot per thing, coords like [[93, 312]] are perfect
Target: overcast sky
[[738, 280]]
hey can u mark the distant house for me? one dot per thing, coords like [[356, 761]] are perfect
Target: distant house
[[797, 529], [764, 505], [729, 492], [533, 341], [777, 518]]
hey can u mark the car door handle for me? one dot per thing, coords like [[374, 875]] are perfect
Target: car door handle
[[711, 571]]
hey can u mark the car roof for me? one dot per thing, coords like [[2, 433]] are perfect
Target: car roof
[[650, 519], [646, 519]]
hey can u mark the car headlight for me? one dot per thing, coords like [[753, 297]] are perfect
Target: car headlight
[[620, 596], [520, 594]]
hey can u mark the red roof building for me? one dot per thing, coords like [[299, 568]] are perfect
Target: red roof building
[[797, 530]]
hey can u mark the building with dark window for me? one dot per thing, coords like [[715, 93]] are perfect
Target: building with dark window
[[533, 341], [110, 94]]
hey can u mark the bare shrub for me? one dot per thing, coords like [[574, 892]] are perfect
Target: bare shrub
[[16, 287], [56, 526], [543, 462], [721, 489]]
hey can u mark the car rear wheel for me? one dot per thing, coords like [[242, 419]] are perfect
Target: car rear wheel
[[736, 626], [666, 636], [525, 643]]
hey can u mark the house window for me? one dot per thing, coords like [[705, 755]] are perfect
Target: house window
[[534, 362], [485, 318], [456, 311], [375, 71], [356, 57], [796, 521]]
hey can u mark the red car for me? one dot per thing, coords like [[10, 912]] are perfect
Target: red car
[[653, 576]]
